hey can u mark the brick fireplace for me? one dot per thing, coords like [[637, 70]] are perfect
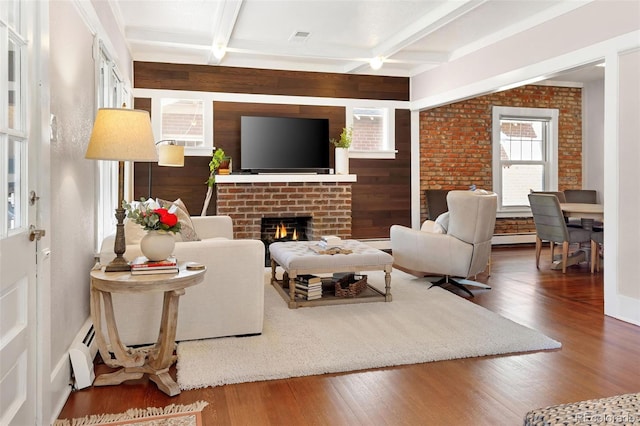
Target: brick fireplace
[[326, 203]]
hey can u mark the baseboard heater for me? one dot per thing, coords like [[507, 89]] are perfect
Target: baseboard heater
[[82, 353]]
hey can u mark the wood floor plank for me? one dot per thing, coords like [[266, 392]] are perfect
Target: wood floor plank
[[600, 356]]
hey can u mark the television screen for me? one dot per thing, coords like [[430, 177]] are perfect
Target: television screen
[[284, 144]]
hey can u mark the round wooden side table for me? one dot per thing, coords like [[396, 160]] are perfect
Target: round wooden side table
[[153, 360]]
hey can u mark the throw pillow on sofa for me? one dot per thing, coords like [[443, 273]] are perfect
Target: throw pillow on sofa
[[177, 207]]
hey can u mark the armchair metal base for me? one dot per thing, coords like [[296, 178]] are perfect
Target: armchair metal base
[[458, 283]]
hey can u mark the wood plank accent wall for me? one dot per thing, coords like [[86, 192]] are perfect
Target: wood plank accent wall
[[381, 197], [205, 78]]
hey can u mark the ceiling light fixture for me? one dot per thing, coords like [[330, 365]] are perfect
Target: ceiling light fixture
[[376, 62], [219, 51]]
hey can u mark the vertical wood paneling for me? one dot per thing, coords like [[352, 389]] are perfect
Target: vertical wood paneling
[[381, 197]]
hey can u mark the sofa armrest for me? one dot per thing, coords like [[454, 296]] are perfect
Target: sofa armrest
[[430, 252], [213, 226], [229, 302]]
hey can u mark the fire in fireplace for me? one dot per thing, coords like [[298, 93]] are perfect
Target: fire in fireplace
[[274, 229]]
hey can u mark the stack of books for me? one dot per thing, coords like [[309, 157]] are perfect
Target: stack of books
[[330, 242], [143, 266], [309, 287]]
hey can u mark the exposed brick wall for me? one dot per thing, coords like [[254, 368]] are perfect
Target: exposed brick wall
[[328, 203], [456, 147]]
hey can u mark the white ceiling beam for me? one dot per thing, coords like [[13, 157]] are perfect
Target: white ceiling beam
[[225, 20], [164, 38], [428, 23], [328, 51]]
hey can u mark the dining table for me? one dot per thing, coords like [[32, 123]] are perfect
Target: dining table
[[583, 210], [588, 214]]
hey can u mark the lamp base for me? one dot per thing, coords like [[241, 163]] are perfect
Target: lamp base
[[118, 264]]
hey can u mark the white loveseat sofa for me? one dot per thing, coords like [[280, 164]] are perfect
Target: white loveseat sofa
[[229, 302]]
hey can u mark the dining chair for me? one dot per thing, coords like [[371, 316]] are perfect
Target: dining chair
[[559, 194], [588, 196], [597, 241], [551, 226], [436, 202]]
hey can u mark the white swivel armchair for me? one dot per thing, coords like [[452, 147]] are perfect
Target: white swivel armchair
[[461, 248]]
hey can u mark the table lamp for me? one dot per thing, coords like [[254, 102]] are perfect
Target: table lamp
[[169, 155], [122, 135]]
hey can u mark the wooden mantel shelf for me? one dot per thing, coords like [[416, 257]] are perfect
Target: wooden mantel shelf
[[284, 177]]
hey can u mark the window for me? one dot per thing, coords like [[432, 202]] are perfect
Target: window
[[524, 155], [183, 121], [111, 93], [13, 129], [373, 133]]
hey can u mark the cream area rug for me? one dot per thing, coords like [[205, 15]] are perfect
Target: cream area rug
[[171, 415], [419, 325]]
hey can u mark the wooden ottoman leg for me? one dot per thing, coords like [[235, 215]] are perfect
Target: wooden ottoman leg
[[387, 284]]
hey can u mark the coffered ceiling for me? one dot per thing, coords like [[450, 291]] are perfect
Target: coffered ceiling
[[409, 36]]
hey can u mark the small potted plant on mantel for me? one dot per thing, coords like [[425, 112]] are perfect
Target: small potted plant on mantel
[[217, 159], [342, 150]]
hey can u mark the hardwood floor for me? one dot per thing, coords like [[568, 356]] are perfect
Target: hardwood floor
[[600, 357]]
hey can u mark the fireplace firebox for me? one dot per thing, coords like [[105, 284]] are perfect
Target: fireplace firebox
[[274, 229]]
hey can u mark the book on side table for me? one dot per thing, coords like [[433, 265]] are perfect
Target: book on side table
[[143, 266]]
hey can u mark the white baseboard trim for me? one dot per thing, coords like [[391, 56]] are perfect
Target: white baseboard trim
[[60, 386]]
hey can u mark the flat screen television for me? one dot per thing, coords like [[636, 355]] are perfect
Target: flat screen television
[[284, 144]]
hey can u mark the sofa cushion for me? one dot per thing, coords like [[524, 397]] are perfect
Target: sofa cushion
[[443, 222], [177, 207]]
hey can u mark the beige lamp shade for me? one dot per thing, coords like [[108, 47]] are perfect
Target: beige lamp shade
[[123, 135], [171, 155]]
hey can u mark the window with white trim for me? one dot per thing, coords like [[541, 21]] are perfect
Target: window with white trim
[[525, 155], [13, 122], [183, 121], [112, 93], [373, 132]]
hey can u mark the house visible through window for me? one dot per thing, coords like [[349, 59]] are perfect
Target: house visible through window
[[525, 154], [372, 133], [183, 121]]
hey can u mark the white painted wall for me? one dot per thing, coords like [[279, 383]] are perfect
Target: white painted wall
[[622, 199], [593, 137], [599, 29], [73, 178]]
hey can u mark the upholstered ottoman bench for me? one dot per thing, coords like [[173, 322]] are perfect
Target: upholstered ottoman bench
[[304, 257], [615, 410]]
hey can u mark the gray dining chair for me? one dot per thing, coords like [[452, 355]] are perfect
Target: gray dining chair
[[588, 196], [551, 226], [436, 202], [597, 241]]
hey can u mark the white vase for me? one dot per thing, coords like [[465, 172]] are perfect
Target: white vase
[[157, 245], [342, 161]]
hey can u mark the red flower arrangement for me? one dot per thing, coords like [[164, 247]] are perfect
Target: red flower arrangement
[[150, 218]]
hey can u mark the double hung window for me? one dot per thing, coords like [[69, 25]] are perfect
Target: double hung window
[[524, 155]]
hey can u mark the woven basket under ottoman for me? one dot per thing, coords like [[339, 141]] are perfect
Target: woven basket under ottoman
[[618, 410]]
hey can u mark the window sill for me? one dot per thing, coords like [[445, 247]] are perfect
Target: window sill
[[378, 155]]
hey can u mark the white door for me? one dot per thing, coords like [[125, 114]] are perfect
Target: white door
[[20, 144]]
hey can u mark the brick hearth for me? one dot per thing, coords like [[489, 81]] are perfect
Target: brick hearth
[[327, 203]]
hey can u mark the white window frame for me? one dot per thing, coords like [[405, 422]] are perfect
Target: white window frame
[[550, 162], [207, 122], [388, 151], [207, 117], [19, 134], [111, 92]]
